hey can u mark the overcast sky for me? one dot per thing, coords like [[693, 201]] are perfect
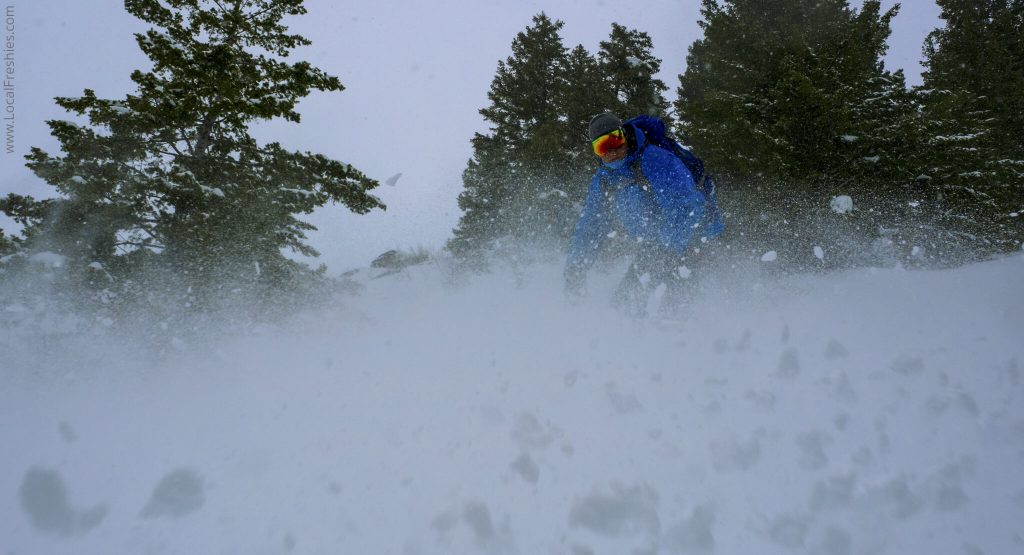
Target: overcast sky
[[416, 74]]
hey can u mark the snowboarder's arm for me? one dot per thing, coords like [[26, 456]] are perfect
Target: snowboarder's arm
[[591, 229], [681, 204]]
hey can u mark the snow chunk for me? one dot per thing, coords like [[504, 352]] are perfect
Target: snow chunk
[[769, 256], [17, 309], [849, 138], [48, 259], [554, 192], [626, 511], [819, 253], [694, 535], [213, 190], [44, 499], [841, 204], [178, 494], [526, 468]]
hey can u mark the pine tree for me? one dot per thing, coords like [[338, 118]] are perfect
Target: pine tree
[[775, 86], [973, 115], [7, 245], [627, 60], [789, 101], [169, 184], [587, 91], [515, 183]]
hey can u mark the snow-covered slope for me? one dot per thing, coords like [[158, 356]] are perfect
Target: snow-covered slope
[[875, 411]]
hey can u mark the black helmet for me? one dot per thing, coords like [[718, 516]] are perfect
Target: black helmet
[[603, 124]]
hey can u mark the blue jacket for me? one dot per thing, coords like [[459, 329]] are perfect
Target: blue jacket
[[669, 215]]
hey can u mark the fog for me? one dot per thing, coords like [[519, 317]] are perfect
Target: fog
[[870, 411]]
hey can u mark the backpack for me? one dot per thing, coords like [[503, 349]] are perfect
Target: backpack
[[654, 130]]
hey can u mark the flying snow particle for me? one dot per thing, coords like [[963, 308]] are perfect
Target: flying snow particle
[[842, 204], [48, 259], [819, 253], [393, 179], [769, 256]]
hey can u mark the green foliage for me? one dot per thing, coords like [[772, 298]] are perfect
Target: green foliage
[[626, 60], [790, 104], [527, 179], [973, 113], [793, 90], [166, 189], [517, 165], [7, 245]]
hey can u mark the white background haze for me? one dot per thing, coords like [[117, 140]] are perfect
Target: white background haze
[[871, 412]]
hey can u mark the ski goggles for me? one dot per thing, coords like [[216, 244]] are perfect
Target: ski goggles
[[608, 142]]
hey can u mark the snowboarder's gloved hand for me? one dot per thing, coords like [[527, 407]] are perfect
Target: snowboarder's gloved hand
[[575, 283]]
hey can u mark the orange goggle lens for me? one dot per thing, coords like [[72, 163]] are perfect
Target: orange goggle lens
[[608, 142]]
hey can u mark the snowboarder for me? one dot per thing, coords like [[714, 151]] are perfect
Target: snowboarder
[[647, 191]]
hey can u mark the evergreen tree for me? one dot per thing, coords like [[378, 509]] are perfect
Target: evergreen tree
[[783, 89], [515, 183], [7, 245], [587, 91], [168, 182], [789, 101], [973, 114], [627, 60]]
